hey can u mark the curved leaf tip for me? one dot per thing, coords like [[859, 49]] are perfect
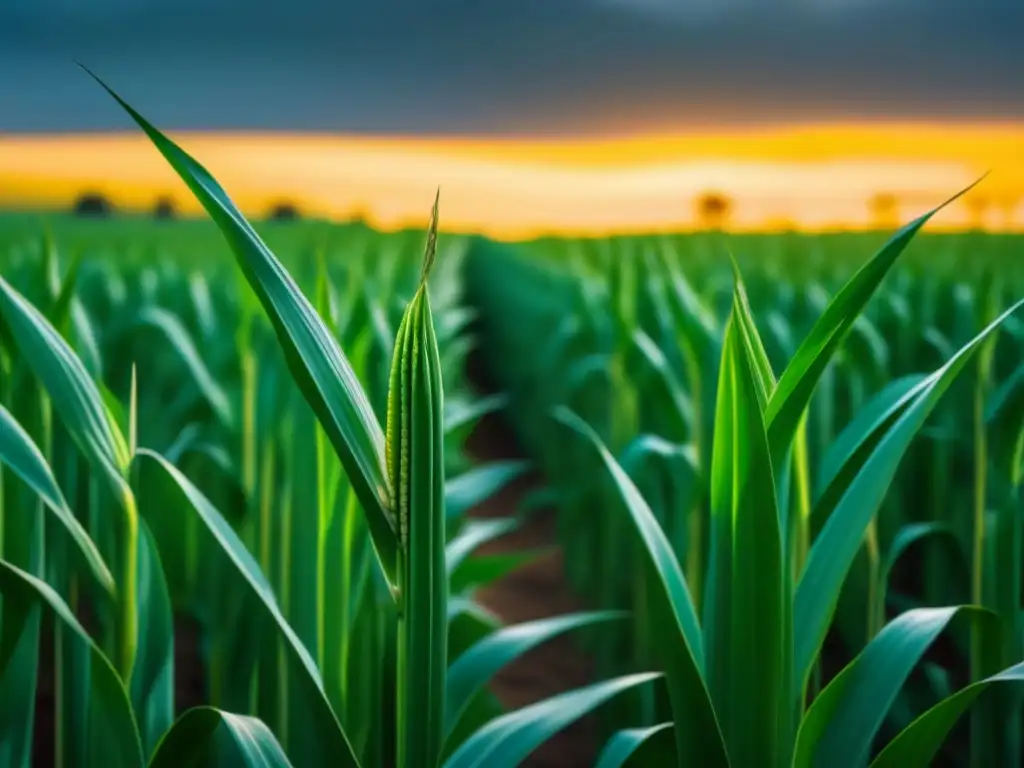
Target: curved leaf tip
[[430, 251]]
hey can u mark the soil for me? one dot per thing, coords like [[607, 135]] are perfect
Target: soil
[[534, 591]]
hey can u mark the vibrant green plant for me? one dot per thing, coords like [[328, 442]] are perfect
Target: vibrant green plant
[[331, 629], [748, 555]]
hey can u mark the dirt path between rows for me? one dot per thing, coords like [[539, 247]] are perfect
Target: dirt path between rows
[[534, 591]]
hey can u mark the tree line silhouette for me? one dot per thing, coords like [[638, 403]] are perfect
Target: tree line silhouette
[[96, 205], [713, 209]]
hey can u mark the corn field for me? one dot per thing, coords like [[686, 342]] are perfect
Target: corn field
[[786, 472]]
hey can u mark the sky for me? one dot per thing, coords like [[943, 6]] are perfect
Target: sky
[[531, 114], [507, 66]]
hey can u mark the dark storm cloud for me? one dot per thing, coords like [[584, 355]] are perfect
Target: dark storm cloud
[[506, 66]]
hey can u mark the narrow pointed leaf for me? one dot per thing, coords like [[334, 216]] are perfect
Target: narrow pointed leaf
[[746, 614], [464, 492], [20, 453], [152, 685], [71, 389], [113, 736], [796, 385], [639, 747], [314, 358], [674, 627], [919, 743], [474, 669], [415, 460], [507, 741], [181, 342], [482, 570], [460, 412], [474, 534], [193, 738], [841, 725], [332, 747], [837, 544], [885, 405]]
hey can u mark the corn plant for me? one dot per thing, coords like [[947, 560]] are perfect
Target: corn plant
[[760, 529], [334, 637]]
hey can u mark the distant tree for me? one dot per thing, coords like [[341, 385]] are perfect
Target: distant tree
[[164, 208], [93, 205], [977, 208], [713, 210], [360, 216], [284, 212], [884, 210]]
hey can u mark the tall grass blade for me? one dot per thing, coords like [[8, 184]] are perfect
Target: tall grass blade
[[472, 670], [844, 719], [332, 747], [113, 737], [839, 540], [247, 742], [639, 747], [20, 453], [507, 741], [415, 456], [746, 603], [919, 742], [315, 359], [796, 385], [673, 624]]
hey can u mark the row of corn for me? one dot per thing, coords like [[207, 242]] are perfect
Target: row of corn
[[255, 439], [788, 483], [797, 462]]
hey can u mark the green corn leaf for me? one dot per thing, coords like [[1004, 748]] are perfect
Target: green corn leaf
[[113, 737], [152, 685], [473, 534], [918, 743], [1005, 416], [671, 389], [60, 312], [23, 541], [761, 368], [181, 342], [77, 400], [914, 533], [747, 610], [507, 741], [644, 448], [866, 423], [85, 338], [246, 742], [673, 621], [71, 389], [470, 672], [796, 385], [468, 624], [460, 413], [20, 453], [314, 357], [837, 544], [481, 570], [331, 747], [415, 457], [476, 485], [639, 747], [841, 725]]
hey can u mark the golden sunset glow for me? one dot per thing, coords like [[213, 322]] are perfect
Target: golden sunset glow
[[810, 177]]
